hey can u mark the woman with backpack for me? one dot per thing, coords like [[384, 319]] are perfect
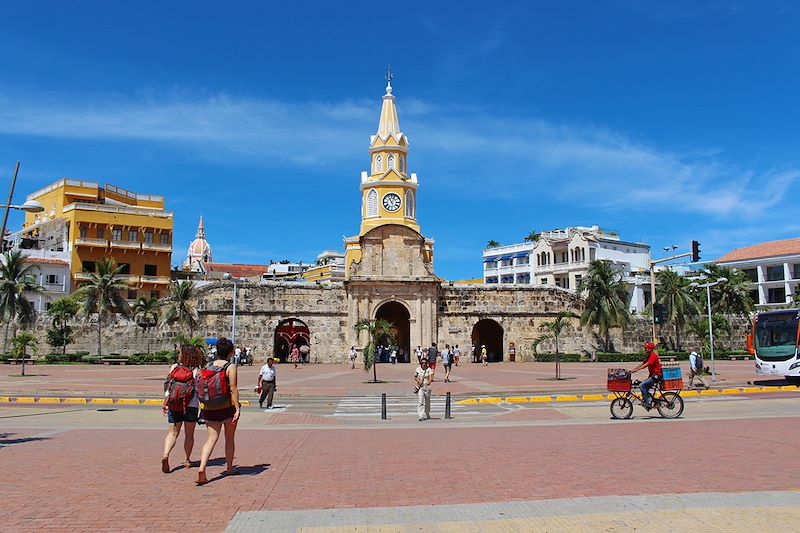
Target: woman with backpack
[[181, 402], [219, 398]]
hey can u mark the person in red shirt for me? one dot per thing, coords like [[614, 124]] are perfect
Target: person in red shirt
[[653, 364]]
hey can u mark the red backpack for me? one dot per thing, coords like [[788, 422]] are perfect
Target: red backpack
[[215, 391], [180, 389]]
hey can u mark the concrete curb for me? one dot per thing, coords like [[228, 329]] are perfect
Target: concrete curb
[[563, 398]]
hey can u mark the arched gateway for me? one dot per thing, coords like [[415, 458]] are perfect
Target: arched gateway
[[397, 314], [289, 332], [489, 333]]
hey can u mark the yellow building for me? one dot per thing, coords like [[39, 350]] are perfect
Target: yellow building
[[388, 191], [93, 222]]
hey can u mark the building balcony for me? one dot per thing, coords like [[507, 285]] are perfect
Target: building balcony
[[126, 244], [86, 241], [155, 279], [156, 247], [82, 275]]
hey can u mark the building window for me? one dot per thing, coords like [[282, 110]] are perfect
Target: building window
[[88, 266], [578, 281], [101, 233], [776, 295], [372, 203], [796, 274], [751, 273], [150, 270], [155, 294], [148, 237], [165, 238], [378, 163], [51, 279], [131, 294], [125, 269], [775, 273], [544, 281], [133, 235], [391, 162], [116, 234], [82, 232], [402, 164], [409, 204], [755, 296]]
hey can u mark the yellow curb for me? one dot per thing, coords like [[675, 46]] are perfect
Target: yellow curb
[[772, 389], [49, 400], [731, 391], [245, 403], [790, 387], [103, 401], [568, 398], [752, 390], [26, 400], [128, 401], [593, 397], [74, 400], [153, 402], [517, 399], [710, 392], [611, 396], [690, 394], [5, 399], [468, 401], [541, 399], [493, 401]]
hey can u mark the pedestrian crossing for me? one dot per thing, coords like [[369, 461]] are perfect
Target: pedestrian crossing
[[396, 406]]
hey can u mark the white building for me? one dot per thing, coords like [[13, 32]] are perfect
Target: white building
[[561, 258], [773, 267]]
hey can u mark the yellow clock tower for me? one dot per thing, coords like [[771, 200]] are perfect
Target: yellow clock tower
[[388, 190]]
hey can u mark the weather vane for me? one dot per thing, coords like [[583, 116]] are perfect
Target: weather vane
[[389, 75]]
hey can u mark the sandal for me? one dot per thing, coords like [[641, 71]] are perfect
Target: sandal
[[201, 479], [165, 465], [187, 463]]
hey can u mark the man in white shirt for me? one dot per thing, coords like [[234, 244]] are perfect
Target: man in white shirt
[[267, 383], [696, 369], [423, 377]]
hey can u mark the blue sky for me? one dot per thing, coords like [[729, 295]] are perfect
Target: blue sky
[[664, 121]]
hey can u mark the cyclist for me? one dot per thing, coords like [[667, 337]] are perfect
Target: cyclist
[[653, 364]]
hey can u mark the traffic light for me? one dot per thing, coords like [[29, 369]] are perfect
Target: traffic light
[[695, 251], [659, 313]]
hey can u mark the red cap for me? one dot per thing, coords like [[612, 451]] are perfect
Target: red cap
[[649, 346]]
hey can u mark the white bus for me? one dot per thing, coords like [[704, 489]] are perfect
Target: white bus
[[774, 342]]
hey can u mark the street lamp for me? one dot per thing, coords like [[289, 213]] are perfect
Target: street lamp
[[707, 287], [228, 276], [31, 206]]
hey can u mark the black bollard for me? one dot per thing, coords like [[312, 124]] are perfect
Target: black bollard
[[447, 407], [383, 406]]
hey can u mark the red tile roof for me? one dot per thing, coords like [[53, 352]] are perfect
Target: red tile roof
[[236, 271], [41, 261], [763, 250]]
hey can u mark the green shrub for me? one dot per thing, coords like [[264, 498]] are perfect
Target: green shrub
[[564, 357], [54, 358], [153, 358], [91, 359], [5, 356]]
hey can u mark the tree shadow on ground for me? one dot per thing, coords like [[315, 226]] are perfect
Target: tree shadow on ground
[[6, 440]]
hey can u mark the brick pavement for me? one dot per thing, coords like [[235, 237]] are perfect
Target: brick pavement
[[328, 380], [109, 479]]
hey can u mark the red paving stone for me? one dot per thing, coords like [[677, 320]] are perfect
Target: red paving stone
[[331, 380], [84, 480]]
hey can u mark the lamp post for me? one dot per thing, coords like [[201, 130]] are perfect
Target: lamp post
[[227, 275], [31, 206], [707, 287]]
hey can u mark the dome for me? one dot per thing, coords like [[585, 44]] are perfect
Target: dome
[[199, 249]]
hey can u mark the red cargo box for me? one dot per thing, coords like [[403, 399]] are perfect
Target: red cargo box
[[672, 384]]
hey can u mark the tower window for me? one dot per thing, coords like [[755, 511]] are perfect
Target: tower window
[[402, 164], [378, 163], [409, 203], [372, 203], [391, 162]]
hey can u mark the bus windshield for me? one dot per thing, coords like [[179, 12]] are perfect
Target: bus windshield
[[776, 338]]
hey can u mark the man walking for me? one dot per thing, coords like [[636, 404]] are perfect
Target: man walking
[[447, 362], [423, 377], [267, 383], [696, 370], [432, 353]]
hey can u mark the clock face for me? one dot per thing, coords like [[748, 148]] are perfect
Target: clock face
[[391, 202]]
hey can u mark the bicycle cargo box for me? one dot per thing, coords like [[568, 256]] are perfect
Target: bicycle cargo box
[[672, 384], [670, 373], [619, 380]]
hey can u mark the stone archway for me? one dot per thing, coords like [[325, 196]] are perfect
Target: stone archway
[[398, 315], [290, 331], [489, 333]]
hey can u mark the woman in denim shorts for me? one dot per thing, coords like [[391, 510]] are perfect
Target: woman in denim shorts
[[192, 358]]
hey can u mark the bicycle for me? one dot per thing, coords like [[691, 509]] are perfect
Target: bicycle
[[668, 403]]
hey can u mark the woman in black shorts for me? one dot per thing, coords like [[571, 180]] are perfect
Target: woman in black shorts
[[191, 358], [226, 415]]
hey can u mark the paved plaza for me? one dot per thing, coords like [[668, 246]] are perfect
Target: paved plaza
[[320, 467]]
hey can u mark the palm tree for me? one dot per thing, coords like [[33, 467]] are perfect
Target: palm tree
[[606, 299], [533, 236], [796, 299], [673, 291], [553, 330], [21, 343], [492, 244], [376, 331], [102, 294], [733, 296], [61, 311], [699, 327], [145, 314], [179, 305], [16, 279]]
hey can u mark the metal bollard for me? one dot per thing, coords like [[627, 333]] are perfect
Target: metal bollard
[[447, 407], [383, 406]]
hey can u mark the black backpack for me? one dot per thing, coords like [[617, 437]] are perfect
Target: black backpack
[[698, 362]]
